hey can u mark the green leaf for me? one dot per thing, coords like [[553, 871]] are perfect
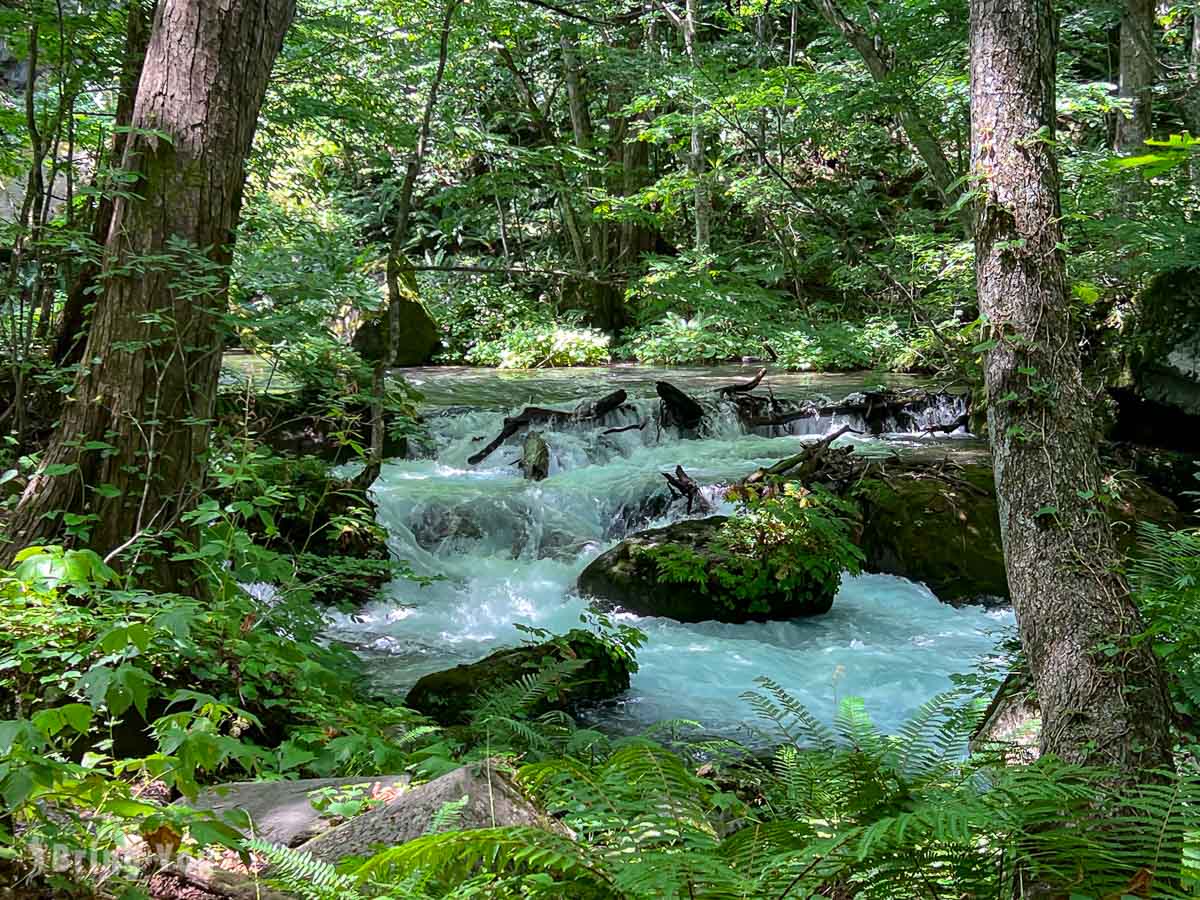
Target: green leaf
[[292, 755], [78, 716], [128, 808]]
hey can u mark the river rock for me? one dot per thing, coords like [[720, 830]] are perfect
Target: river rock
[[942, 527], [492, 801], [943, 532], [535, 457], [921, 520], [281, 811], [627, 577], [449, 696]]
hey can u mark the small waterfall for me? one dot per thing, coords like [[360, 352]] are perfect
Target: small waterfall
[[504, 550]]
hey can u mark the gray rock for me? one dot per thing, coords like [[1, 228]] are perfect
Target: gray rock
[[492, 801], [280, 811]]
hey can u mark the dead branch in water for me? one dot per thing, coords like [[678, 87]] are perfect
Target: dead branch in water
[[538, 415]]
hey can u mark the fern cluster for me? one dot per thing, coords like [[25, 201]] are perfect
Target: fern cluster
[[839, 810]]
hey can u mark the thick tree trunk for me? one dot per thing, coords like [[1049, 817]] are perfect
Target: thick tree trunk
[[69, 342], [1103, 697], [131, 446]]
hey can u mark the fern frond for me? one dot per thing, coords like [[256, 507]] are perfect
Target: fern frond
[[303, 874]]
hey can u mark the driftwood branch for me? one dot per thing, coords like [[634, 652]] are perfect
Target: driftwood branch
[[639, 426], [537, 415], [807, 460], [682, 483], [743, 387]]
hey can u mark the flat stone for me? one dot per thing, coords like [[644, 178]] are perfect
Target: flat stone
[[280, 811], [492, 801]]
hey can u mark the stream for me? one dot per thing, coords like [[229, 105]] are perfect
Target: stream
[[507, 551]]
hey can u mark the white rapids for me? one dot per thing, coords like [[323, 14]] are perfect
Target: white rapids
[[507, 552]]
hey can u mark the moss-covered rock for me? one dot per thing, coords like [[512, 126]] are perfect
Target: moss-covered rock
[[942, 528], [675, 572], [448, 697], [930, 528], [920, 519]]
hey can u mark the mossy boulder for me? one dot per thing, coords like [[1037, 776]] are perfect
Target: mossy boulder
[[633, 576], [943, 532], [449, 696], [942, 528], [419, 338], [1165, 355]]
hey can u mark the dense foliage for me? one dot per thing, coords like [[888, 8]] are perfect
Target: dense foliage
[[785, 549], [550, 184]]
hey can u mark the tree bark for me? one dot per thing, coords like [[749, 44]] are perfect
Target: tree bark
[[69, 341], [1103, 695], [1138, 65], [129, 452], [1192, 111]]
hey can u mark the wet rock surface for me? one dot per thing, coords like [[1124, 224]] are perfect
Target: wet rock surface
[[448, 696]]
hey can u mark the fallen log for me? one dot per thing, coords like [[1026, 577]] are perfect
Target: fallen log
[[682, 483], [538, 415], [961, 422], [679, 409], [807, 412], [744, 387]]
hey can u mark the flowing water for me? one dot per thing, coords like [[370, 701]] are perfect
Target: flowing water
[[507, 552]]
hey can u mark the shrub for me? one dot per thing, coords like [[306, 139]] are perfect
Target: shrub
[[541, 345], [784, 553]]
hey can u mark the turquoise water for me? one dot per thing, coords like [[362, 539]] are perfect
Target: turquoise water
[[509, 551]]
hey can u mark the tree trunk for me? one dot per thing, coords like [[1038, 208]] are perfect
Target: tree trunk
[[69, 342], [130, 450], [1138, 66], [1103, 696], [697, 162], [1192, 111], [876, 59]]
